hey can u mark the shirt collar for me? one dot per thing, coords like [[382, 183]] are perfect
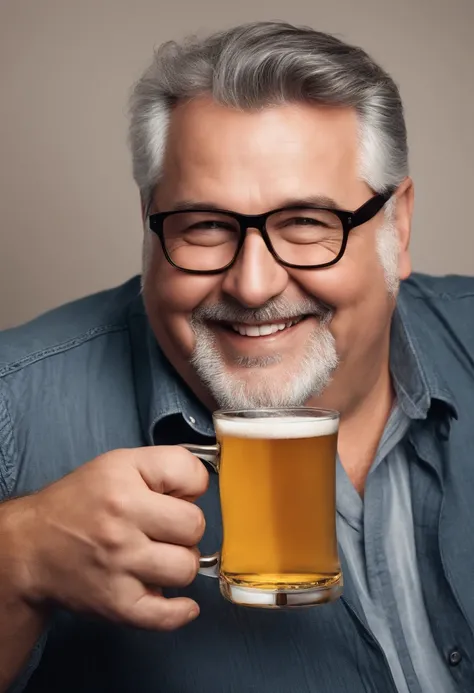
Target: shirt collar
[[417, 376], [159, 390]]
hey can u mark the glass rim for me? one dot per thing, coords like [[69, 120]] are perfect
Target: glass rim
[[258, 414], [270, 216]]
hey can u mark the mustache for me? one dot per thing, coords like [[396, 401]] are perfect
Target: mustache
[[277, 309]]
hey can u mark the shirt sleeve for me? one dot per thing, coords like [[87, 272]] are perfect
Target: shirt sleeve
[[8, 467], [7, 447], [24, 676]]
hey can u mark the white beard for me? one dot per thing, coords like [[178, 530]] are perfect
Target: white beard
[[388, 249], [298, 379]]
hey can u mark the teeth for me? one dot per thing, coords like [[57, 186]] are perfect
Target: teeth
[[266, 329], [252, 331], [263, 330]]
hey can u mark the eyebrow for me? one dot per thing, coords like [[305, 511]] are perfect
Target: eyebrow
[[312, 201]]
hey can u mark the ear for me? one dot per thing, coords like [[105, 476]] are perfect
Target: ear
[[143, 209], [404, 201]]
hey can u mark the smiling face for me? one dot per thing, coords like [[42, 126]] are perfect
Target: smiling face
[[261, 334]]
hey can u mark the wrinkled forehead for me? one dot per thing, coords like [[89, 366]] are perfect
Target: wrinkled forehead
[[233, 157]]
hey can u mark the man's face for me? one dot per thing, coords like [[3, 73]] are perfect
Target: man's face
[[207, 325]]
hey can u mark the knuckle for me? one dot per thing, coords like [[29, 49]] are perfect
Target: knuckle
[[181, 567], [167, 620], [126, 603], [201, 475], [116, 502], [110, 534], [190, 569], [196, 524], [114, 605], [124, 611], [193, 468]]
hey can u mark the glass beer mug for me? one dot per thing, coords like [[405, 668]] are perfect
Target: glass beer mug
[[277, 492]]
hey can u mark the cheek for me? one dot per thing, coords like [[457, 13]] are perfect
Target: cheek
[[355, 288], [352, 282], [170, 296]]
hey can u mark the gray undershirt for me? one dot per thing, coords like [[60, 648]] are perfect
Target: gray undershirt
[[377, 537]]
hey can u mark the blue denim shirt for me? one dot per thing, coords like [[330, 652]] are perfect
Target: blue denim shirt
[[89, 377]]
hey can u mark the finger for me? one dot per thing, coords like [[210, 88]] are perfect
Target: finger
[[165, 565], [170, 520], [155, 612], [172, 470]]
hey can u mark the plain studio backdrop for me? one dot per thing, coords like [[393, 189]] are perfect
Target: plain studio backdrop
[[70, 217]]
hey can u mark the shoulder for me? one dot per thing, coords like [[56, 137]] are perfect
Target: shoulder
[[66, 328], [445, 303], [63, 378], [448, 288], [439, 312]]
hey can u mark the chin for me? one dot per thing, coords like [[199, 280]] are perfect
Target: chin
[[272, 380], [270, 386]]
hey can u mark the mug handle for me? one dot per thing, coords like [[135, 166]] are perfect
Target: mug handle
[[208, 565]]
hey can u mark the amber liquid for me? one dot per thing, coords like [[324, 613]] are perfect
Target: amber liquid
[[278, 511]]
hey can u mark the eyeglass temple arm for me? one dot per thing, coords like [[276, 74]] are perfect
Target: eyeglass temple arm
[[371, 207]]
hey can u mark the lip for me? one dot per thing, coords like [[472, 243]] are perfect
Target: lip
[[250, 344], [266, 322], [255, 329]]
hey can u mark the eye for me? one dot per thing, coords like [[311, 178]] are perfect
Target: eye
[[210, 225], [196, 227], [208, 233], [306, 221], [310, 218]]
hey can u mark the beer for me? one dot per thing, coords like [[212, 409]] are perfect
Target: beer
[[277, 490]]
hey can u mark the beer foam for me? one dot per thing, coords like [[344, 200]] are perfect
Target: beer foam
[[276, 428]]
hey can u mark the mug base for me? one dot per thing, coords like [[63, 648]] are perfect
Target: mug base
[[279, 599]]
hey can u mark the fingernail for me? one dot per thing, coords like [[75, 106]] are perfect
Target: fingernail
[[194, 613]]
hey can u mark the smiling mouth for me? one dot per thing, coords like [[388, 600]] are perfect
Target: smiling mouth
[[262, 329]]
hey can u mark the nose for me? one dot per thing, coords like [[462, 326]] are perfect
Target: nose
[[256, 276]]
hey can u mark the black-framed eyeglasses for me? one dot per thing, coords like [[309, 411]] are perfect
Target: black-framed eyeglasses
[[208, 241]]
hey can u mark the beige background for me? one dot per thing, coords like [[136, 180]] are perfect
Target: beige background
[[70, 219]]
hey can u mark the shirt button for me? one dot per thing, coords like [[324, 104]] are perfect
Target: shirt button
[[454, 658], [192, 420]]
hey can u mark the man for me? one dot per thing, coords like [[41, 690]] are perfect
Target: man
[[272, 166]]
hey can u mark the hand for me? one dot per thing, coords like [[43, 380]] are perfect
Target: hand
[[106, 538]]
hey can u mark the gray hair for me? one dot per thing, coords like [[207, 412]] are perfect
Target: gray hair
[[263, 64]]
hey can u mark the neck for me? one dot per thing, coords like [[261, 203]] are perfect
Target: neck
[[361, 430]]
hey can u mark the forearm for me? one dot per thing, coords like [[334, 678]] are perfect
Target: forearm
[[21, 624]]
